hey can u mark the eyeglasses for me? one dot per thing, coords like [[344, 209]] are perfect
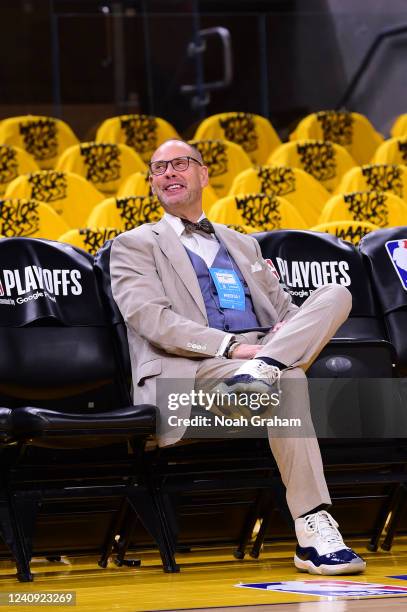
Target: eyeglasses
[[179, 164]]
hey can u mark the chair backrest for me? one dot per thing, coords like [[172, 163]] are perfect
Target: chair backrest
[[392, 151], [137, 184], [13, 162], [125, 213], [143, 133], [253, 133], [224, 160], [45, 138], [325, 161], [68, 194], [352, 131], [294, 185], [102, 270], [385, 254], [380, 208], [257, 210], [304, 261], [103, 164], [352, 231], [90, 240], [375, 177], [21, 217], [399, 127], [54, 324]]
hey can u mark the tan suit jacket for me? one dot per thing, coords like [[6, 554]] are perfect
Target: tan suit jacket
[[157, 291]]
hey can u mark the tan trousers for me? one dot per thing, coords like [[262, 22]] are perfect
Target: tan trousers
[[296, 344]]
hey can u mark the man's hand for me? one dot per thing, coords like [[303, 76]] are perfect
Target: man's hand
[[245, 351]]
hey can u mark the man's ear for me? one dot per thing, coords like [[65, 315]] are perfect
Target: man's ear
[[204, 176], [150, 180]]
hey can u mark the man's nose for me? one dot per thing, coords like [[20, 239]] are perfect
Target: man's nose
[[170, 170]]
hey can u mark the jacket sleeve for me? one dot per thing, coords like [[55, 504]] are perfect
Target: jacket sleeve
[[141, 298]]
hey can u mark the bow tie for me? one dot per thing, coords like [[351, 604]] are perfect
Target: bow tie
[[202, 226]]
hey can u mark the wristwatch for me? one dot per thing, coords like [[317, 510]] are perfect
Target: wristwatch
[[230, 348]]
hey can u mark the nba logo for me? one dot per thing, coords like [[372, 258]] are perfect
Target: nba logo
[[397, 250]]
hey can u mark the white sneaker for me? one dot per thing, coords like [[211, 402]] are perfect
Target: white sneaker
[[254, 375], [321, 549]]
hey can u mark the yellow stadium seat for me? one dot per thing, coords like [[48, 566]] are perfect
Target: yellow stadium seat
[[258, 210], [352, 131], [253, 133], [325, 161], [143, 133], [14, 161], [352, 231], [293, 184], [90, 240], [21, 217], [392, 151], [69, 194], [224, 160], [44, 138], [138, 184], [105, 165], [399, 128], [376, 177], [125, 213], [381, 209]]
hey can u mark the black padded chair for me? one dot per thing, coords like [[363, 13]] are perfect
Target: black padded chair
[[80, 438], [385, 256]]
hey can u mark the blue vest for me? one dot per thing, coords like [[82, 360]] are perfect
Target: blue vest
[[226, 319]]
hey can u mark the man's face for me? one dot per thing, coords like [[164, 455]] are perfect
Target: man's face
[[180, 192]]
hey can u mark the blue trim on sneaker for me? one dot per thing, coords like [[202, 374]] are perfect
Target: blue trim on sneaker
[[340, 557]]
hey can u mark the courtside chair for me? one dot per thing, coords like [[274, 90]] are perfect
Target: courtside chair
[[399, 127], [353, 231], [380, 208], [385, 256], [125, 213], [68, 194], [22, 217], [81, 439], [303, 261], [257, 210], [225, 160], [90, 240], [294, 185], [376, 177], [137, 184], [13, 162], [326, 161], [143, 133], [103, 164], [392, 151], [352, 131], [253, 133], [44, 138]]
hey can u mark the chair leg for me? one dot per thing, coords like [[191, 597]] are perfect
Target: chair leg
[[388, 507], [114, 528], [249, 524], [394, 520], [154, 521]]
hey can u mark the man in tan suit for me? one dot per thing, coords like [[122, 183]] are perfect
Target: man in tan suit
[[168, 281]]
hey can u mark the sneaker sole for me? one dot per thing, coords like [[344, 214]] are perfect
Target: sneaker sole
[[329, 570]]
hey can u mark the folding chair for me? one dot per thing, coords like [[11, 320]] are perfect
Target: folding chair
[[21, 217], [383, 209], [375, 177], [125, 213], [13, 162], [353, 231]]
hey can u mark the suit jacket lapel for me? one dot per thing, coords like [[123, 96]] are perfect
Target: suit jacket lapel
[[176, 254]]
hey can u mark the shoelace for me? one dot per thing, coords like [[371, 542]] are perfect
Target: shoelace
[[263, 368], [326, 527]]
